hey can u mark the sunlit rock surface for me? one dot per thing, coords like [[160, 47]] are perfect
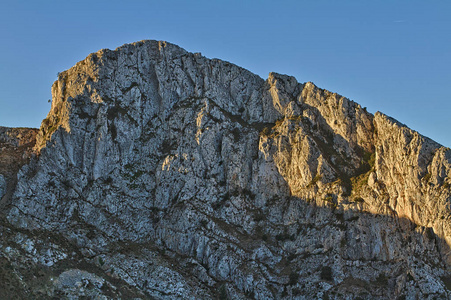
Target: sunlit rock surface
[[161, 174]]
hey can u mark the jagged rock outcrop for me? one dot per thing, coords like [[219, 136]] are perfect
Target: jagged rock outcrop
[[164, 174]]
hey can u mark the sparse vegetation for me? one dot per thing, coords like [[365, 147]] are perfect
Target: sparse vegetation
[[265, 132], [360, 182], [296, 292], [250, 294], [370, 158], [101, 261], [258, 216], [326, 273], [167, 146], [427, 177], [382, 279], [285, 236], [293, 278], [359, 200], [249, 194], [367, 164], [446, 281], [315, 180], [236, 132], [218, 204], [291, 257], [203, 223], [223, 295], [329, 199], [343, 242], [354, 218], [340, 217]]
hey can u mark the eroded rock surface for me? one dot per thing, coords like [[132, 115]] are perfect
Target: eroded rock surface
[[16, 150], [164, 174]]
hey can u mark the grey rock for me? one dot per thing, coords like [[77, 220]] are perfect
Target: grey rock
[[182, 177]]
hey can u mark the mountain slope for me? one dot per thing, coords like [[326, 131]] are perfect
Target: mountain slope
[[164, 174]]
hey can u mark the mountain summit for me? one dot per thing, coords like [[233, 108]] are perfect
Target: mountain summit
[[162, 174]]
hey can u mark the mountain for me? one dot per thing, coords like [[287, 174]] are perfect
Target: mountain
[[162, 174]]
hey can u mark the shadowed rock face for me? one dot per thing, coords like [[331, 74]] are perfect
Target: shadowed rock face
[[16, 149], [164, 174]]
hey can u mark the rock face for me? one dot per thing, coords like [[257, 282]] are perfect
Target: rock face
[[163, 174], [16, 149]]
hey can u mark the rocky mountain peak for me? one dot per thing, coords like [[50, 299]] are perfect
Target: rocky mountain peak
[[164, 174]]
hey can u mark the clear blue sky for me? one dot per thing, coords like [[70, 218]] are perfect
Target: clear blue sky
[[392, 56]]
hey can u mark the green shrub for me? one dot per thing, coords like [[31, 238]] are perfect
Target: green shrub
[[101, 261]]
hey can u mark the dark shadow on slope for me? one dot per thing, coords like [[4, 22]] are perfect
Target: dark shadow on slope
[[405, 249]]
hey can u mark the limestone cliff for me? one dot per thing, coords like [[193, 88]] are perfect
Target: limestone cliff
[[164, 174]]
